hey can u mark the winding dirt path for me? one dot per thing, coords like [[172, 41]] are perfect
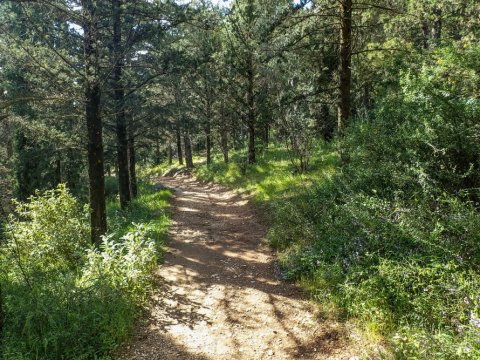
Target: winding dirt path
[[218, 296]]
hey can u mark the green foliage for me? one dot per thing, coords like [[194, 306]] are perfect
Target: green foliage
[[391, 238], [47, 234], [64, 299], [147, 209], [273, 176]]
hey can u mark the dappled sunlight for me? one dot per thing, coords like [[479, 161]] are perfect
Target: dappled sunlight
[[273, 177], [187, 209], [218, 296]]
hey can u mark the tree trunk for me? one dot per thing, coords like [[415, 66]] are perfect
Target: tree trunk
[[119, 95], [179, 147], [188, 150], [224, 143], [266, 134], [251, 144], [251, 113], [132, 162], [157, 150], [345, 102], [208, 134], [96, 176], [170, 153]]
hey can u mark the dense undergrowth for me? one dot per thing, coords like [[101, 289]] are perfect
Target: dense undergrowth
[[64, 299], [389, 236]]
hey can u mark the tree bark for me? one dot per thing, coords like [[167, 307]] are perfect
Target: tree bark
[[96, 176], [208, 135], [170, 153], [266, 134], [188, 150], [251, 144], [251, 112], [345, 70], [179, 147], [132, 171], [224, 143], [157, 149], [120, 118]]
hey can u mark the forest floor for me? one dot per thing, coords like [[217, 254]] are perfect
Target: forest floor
[[218, 295]]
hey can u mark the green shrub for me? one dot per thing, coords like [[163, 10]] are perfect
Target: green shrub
[[394, 238], [64, 299], [391, 236]]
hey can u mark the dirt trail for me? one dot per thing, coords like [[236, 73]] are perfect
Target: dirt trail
[[218, 296]]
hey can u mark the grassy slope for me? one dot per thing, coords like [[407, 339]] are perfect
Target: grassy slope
[[150, 207], [272, 178], [391, 292]]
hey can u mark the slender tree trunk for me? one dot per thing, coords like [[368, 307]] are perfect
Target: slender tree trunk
[[179, 147], [266, 135], [251, 113], [96, 176], [224, 136], [224, 143], [345, 101], [188, 150], [157, 149], [119, 95], [251, 144], [132, 162], [170, 153], [208, 134], [237, 137], [208, 127]]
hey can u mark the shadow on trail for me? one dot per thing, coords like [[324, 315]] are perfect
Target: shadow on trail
[[217, 291]]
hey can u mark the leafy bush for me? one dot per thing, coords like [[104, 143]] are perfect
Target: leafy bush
[[49, 233], [391, 236], [394, 238], [124, 265], [64, 299]]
